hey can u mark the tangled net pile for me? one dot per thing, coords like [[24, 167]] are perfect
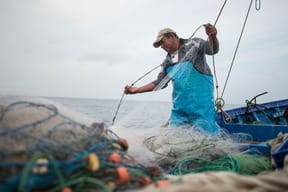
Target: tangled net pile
[[185, 150], [41, 149]]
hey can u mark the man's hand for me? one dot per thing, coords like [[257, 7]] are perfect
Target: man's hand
[[211, 31], [130, 89]]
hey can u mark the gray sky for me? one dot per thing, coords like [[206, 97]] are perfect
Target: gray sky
[[93, 48]]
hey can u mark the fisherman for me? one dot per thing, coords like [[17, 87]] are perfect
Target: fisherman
[[185, 65]]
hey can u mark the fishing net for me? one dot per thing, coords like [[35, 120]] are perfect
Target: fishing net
[[42, 149], [229, 170], [180, 151]]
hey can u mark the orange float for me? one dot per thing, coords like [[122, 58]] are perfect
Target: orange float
[[114, 158], [162, 183], [123, 176]]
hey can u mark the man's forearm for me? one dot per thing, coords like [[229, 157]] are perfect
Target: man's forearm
[[146, 88], [213, 44]]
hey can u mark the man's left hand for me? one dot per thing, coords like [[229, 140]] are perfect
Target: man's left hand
[[211, 31]]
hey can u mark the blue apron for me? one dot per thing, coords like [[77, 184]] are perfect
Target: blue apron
[[193, 100]]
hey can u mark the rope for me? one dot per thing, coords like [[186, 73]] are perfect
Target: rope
[[123, 94], [28, 169], [220, 12], [198, 165], [213, 57], [238, 43], [219, 107], [243, 164]]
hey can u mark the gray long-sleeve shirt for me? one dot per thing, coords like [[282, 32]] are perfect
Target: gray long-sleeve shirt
[[193, 50]]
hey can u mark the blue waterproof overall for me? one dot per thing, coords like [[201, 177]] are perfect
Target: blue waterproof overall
[[193, 101]]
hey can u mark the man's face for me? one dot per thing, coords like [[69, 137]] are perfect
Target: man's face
[[169, 43]]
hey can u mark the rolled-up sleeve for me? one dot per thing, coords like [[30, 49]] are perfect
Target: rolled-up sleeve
[[210, 51], [161, 75]]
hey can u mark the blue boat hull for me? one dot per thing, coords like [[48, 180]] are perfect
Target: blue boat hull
[[262, 121]]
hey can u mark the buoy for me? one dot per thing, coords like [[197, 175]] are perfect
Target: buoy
[[116, 146], [93, 163], [123, 176], [114, 158], [162, 183], [145, 180], [112, 185], [154, 170], [123, 143], [41, 166]]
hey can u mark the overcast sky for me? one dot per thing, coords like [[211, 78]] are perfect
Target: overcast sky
[[93, 48]]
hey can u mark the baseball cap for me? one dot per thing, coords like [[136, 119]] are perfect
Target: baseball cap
[[160, 36]]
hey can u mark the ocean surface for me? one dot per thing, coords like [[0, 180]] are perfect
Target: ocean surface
[[131, 114]]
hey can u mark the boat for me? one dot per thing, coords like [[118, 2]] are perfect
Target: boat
[[262, 122]]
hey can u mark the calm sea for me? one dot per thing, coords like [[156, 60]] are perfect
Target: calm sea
[[131, 114]]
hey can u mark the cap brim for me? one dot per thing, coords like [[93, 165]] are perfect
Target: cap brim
[[156, 44]]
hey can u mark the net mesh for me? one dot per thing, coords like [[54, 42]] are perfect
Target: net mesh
[[186, 150], [40, 148]]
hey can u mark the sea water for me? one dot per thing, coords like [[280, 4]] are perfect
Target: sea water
[[132, 114]]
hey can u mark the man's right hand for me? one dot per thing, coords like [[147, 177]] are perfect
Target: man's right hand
[[130, 89]]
